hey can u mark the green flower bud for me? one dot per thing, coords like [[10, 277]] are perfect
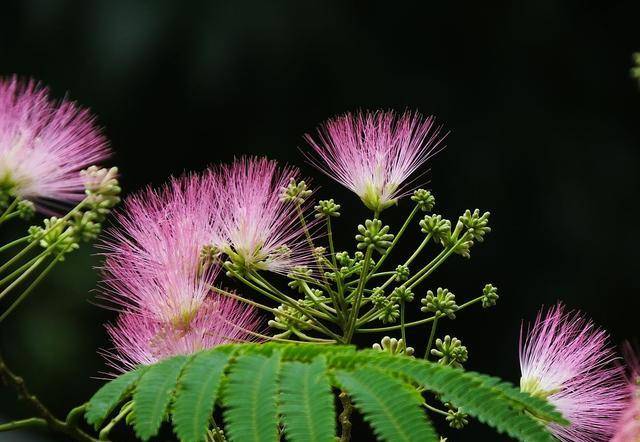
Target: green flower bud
[[393, 346], [326, 208], [298, 275], [402, 273], [374, 236], [424, 200], [389, 312], [439, 228], [295, 192], [59, 236], [477, 226], [450, 351], [343, 259], [489, 296], [85, 227], [286, 317], [443, 303], [457, 419], [26, 209], [402, 293]]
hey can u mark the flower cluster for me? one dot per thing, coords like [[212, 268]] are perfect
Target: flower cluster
[[44, 144], [154, 273]]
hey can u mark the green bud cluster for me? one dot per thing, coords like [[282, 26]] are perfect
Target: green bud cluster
[[456, 418], [438, 227], [56, 235], [442, 303], [424, 200], [374, 236], [327, 208], [287, 317], [389, 311], [402, 273], [477, 226], [393, 346], [489, 296], [403, 294], [102, 190], [26, 209], [295, 192], [298, 276], [450, 351]]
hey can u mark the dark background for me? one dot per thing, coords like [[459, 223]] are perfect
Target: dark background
[[537, 95]]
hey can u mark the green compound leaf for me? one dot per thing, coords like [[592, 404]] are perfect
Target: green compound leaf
[[307, 404], [153, 394], [251, 398], [196, 395], [392, 407], [110, 395], [469, 391]]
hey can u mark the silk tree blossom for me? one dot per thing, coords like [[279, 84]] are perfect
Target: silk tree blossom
[[140, 339], [158, 276], [374, 154], [257, 228], [628, 428], [566, 359], [44, 144]]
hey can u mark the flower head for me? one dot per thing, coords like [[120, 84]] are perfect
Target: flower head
[[44, 144], [257, 228], [628, 428], [374, 153], [565, 358], [144, 339], [160, 273]]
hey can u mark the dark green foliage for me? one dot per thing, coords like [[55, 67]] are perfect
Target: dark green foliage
[[391, 406], [251, 398], [153, 394], [109, 396], [306, 402], [196, 394], [264, 385]]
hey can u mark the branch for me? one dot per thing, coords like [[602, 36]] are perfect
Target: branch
[[46, 417]]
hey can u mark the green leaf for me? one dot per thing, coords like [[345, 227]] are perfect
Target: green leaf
[[153, 394], [467, 390], [251, 399], [196, 395], [392, 407], [307, 404], [110, 395]]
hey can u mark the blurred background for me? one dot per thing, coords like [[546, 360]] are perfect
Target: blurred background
[[545, 134]]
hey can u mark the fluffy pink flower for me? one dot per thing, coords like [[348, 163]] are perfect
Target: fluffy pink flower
[[158, 272], [140, 339], [257, 229], [628, 429], [45, 143], [374, 153], [566, 359]]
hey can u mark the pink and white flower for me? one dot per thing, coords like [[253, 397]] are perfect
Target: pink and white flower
[[375, 153], [256, 228], [44, 144], [158, 273], [628, 428], [566, 359]]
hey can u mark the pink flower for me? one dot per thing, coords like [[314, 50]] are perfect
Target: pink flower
[[140, 339], [374, 153], [628, 428], [45, 143], [565, 358], [160, 273], [257, 229]]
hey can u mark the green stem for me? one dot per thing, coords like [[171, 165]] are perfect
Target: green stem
[[15, 243], [414, 323], [104, 433], [353, 315], [396, 238], [434, 325], [434, 409], [31, 287], [75, 415], [7, 214], [22, 277], [402, 325], [338, 298], [24, 423]]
